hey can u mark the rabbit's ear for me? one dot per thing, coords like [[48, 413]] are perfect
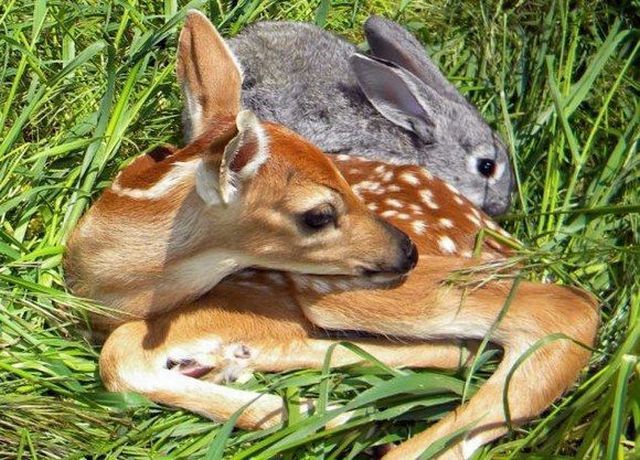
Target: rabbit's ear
[[397, 95], [391, 42]]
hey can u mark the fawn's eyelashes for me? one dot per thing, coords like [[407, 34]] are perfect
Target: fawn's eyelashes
[[319, 218]]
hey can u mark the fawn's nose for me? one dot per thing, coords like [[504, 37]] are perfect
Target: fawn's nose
[[406, 253], [410, 255]]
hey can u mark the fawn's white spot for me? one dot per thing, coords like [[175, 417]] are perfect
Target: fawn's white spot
[[426, 196], [452, 188], [394, 203], [489, 223], [389, 213], [446, 223], [387, 176], [410, 178], [446, 245], [368, 186], [474, 220], [458, 200], [419, 227], [426, 174]]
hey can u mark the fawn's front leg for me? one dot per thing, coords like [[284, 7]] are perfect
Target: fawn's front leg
[[536, 383], [427, 309]]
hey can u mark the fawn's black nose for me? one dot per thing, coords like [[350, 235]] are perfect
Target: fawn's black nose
[[409, 257], [406, 256]]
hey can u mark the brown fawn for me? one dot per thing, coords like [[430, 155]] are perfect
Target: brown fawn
[[152, 243], [243, 194]]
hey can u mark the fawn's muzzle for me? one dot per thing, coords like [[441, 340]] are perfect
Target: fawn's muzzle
[[406, 255]]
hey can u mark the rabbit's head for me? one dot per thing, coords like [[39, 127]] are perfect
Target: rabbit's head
[[404, 85]]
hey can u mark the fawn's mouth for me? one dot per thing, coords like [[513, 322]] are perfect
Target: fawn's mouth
[[364, 280], [376, 279], [386, 280]]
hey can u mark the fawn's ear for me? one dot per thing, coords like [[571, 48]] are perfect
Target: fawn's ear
[[208, 73], [221, 180]]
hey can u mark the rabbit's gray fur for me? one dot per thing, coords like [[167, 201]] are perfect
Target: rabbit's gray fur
[[309, 80]]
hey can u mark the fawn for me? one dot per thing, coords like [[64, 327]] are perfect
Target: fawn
[[274, 321], [243, 194]]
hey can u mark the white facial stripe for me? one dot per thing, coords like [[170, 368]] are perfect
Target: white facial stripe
[[179, 173]]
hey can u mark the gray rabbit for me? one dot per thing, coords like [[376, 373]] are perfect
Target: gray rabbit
[[393, 105]]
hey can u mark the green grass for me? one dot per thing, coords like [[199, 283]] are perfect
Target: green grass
[[86, 85]]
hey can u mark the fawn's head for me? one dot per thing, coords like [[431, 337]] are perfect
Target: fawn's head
[[241, 193], [285, 204]]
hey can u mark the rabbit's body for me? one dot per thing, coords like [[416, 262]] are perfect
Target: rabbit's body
[[315, 93], [394, 106]]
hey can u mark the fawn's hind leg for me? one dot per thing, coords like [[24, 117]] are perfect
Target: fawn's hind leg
[[235, 361], [310, 353], [168, 373]]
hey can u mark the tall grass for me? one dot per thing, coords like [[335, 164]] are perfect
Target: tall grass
[[86, 85]]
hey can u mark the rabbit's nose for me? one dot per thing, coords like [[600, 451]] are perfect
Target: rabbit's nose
[[496, 208]]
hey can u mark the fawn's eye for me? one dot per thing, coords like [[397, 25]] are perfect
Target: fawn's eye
[[486, 167], [318, 218]]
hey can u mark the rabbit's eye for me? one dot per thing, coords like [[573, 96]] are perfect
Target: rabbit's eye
[[486, 167]]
